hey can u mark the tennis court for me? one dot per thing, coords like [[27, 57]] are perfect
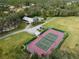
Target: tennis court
[[46, 42]]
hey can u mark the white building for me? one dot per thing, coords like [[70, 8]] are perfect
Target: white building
[[39, 19], [28, 20], [31, 20]]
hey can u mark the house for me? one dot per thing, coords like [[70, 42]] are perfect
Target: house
[[11, 7], [39, 19], [24, 7], [32, 20], [28, 19], [6, 12], [45, 43]]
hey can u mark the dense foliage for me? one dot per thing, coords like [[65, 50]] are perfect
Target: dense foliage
[[44, 8], [55, 8], [58, 54], [10, 22], [49, 7]]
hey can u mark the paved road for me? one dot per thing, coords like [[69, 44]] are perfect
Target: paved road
[[11, 34], [15, 32], [26, 29]]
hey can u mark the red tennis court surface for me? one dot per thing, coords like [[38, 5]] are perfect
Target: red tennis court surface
[[46, 42]]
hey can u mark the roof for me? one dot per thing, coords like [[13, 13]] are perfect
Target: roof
[[30, 20], [12, 7], [46, 42], [38, 18]]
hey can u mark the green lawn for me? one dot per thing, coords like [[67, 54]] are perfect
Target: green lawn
[[10, 46], [71, 25]]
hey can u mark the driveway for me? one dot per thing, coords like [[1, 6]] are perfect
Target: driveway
[[15, 32], [34, 30]]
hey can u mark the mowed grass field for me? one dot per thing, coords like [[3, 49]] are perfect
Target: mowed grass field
[[9, 47], [71, 25]]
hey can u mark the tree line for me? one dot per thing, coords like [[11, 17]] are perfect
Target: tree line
[[58, 54], [48, 8], [10, 22]]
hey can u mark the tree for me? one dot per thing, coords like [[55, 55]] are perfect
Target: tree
[[1, 52]]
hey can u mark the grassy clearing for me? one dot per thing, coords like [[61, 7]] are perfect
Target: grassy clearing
[[22, 25], [9, 45], [71, 25]]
